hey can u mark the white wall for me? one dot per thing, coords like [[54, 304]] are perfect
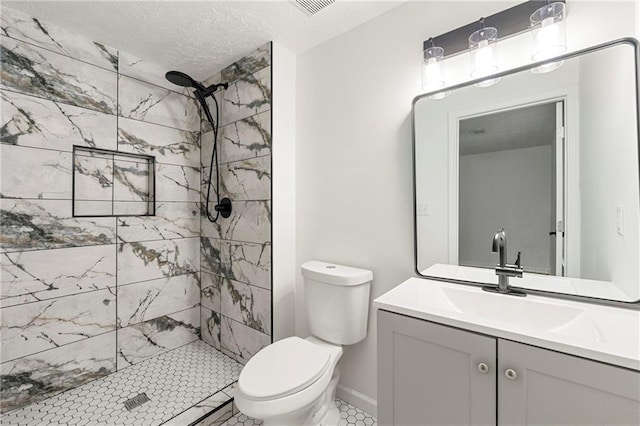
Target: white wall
[[353, 147], [283, 190], [609, 170]]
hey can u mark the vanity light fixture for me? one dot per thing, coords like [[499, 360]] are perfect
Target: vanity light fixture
[[549, 35], [482, 48], [544, 18], [432, 78]]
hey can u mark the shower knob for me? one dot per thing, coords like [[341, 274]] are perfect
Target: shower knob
[[224, 207]]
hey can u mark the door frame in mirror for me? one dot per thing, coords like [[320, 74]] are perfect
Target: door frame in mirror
[[571, 179]]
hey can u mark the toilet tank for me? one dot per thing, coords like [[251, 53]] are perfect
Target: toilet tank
[[337, 301]]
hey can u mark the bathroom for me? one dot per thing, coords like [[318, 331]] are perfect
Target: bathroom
[[326, 173]]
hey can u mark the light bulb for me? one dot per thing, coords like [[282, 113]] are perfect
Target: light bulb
[[432, 79], [549, 38], [483, 55]]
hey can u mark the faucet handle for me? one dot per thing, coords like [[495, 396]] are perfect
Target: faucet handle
[[519, 261]]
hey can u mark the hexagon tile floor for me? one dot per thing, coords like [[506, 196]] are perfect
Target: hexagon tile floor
[[181, 382], [349, 416]]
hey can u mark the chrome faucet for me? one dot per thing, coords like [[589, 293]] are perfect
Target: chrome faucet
[[503, 269]]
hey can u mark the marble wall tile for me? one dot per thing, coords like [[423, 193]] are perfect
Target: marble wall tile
[[155, 104], [41, 123], [210, 256], [239, 341], [132, 180], [45, 274], [140, 261], [146, 300], [243, 139], [207, 228], [247, 179], [93, 208], [21, 26], [47, 224], [147, 71], [247, 262], [36, 377], [210, 322], [131, 208], [48, 177], [177, 183], [250, 221], [211, 285], [167, 144], [247, 304], [172, 220], [34, 327], [39, 72], [247, 96], [93, 176], [249, 64], [153, 337]]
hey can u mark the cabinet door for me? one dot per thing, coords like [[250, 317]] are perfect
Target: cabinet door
[[428, 374], [552, 388]]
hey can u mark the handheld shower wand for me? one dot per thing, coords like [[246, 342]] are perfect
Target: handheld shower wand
[[223, 206]]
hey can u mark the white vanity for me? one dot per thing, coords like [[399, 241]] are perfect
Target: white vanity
[[453, 354]]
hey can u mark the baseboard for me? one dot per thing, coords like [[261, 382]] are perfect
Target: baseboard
[[357, 399]]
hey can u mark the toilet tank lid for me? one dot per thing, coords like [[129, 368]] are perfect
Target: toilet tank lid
[[332, 273]]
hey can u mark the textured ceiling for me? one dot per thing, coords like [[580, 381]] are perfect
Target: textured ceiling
[[512, 129], [202, 37]]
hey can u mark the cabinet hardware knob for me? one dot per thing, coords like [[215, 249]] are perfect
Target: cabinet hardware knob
[[483, 368], [510, 374]]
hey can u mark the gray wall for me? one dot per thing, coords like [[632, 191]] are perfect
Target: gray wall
[[508, 189]]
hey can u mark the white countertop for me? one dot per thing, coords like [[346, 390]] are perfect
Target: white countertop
[[603, 333]]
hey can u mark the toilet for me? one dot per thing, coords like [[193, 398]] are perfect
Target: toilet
[[293, 381]]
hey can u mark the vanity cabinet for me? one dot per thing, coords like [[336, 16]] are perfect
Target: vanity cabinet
[[432, 374]]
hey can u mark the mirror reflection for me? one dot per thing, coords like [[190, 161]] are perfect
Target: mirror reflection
[[550, 158]]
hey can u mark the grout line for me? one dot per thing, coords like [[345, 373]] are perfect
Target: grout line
[[116, 242]]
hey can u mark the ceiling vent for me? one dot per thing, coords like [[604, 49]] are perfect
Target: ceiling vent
[[311, 7]]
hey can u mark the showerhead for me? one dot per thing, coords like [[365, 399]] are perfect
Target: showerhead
[[181, 79]]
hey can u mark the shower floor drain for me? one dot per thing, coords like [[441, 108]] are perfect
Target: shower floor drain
[[136, 401]]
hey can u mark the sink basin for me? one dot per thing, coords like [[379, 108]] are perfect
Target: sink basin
[[604, 333], [561, 319]]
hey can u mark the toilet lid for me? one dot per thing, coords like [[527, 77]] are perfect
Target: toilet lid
[[283, 368]]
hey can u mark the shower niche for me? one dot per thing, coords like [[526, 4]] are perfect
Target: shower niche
[[112, 183]]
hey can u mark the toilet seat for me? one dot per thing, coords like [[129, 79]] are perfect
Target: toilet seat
[[283, 368]]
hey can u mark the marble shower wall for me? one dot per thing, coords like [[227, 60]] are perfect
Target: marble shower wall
[[83, 297], [236, 252]]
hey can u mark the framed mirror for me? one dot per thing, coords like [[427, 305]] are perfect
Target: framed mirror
[[551, 158]]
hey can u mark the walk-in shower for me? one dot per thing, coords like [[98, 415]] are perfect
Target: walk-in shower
[[223, 206]]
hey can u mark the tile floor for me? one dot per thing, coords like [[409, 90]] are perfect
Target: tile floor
[[182, 384], [349, 416]]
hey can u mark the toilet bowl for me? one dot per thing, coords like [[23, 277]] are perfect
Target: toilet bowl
[[293, 381]]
